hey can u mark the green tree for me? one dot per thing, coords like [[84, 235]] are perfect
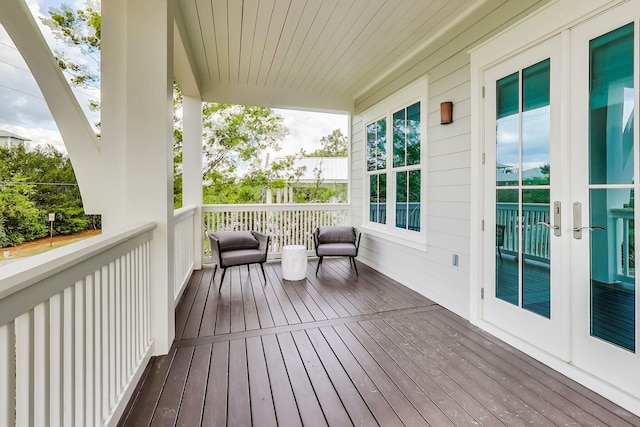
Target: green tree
[[333, 145], [235, 137]]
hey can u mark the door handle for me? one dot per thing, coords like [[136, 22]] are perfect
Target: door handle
[[557, 220], [577, 222], [549, 226], [590, 228]]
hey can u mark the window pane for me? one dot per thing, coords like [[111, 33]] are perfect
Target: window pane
[[401, 200], [399, 138], [373, 198], [414, 201], [382, 199], [371, 146], [413, 134], [535, 85], [611, 105], [381, 144]]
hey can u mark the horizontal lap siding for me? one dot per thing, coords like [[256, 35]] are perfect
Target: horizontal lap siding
[[448, 194]]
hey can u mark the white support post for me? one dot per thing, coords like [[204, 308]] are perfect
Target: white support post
[[192, 167], [137, 103]]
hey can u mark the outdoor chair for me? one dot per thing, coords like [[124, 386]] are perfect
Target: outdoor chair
[[337, 241], [231, 248], [499, 238]]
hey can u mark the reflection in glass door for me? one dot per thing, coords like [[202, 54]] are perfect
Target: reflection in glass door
[[523, 220], [611, 182]]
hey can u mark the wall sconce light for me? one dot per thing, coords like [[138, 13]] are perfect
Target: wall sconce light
[[446, 113]]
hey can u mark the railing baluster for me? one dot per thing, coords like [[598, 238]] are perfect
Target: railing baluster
[[24, 370], [7, 372]]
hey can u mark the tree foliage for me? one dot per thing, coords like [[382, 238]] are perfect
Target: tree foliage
[[81, 29], [34, 183]]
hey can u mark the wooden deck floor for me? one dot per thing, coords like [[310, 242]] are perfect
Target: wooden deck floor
[[343, 350]]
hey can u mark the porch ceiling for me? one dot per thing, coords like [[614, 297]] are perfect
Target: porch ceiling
[[313, 54]]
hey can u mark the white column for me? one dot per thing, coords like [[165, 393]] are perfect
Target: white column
[[192, 167], [137, 136]]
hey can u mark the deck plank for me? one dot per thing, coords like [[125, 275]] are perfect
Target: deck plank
[[261, 401], [194, 392], [238, 399], [283, 399], [215, 401], [341, 349]]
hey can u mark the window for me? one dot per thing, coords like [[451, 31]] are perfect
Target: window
[[395, 161]]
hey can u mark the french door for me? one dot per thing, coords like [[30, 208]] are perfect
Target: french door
[[604, 98], [523, 291], [561, 168]]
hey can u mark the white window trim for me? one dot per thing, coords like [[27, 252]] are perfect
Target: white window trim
[[415, 92]]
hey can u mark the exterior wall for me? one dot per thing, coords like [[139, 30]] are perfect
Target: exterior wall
[[448, 193]]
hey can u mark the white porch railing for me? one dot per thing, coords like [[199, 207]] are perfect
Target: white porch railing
[[535, 241], [286, 224], [75, 331], [183, 250]]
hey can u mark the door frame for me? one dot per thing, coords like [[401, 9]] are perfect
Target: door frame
[[550, 20]]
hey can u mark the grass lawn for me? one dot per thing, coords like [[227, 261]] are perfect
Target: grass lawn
[[43, 245]]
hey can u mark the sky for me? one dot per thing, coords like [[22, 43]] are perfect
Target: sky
[[23, 110]]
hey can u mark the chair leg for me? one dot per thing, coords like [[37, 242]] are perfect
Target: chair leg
[[354, 264], [248, 271], [263, 275], [224, 270], [215, 268], [318, 267]]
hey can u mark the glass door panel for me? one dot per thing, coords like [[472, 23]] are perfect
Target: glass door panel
[[523, 134], [611, 163]]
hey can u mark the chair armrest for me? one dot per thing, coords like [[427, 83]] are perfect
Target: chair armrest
[[315, 239], [358, 236], [263, 242], [214, 243]]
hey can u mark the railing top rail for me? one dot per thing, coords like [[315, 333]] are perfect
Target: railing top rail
[[184, 212], [19, 275], [277, 207]]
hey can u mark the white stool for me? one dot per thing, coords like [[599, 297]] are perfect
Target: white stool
[[294, 262]]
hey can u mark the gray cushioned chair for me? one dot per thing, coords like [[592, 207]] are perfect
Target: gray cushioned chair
[[337, 241], [231, 248]]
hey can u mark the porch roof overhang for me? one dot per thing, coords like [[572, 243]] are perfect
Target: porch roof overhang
[[314, 55]]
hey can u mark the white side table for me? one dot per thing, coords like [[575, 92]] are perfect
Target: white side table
[[294, 262]]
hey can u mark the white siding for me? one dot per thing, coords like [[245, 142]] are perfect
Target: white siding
[[448, 204]]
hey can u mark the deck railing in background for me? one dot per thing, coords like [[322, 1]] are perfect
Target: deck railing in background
[[623, 223], [535, 240], [286, 224], [75, 331], [183, 249]]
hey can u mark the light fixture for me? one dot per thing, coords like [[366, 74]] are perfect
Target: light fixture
[[446, 113]]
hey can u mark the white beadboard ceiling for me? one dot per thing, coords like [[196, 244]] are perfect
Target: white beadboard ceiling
[[307, 54]]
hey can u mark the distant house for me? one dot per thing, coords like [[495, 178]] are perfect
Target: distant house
[[318, 171], [8, 139], [328, 170]]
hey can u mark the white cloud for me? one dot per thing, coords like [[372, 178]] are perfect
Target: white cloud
[[306, 129]]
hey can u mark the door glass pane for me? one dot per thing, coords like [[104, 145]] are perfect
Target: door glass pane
[[536, 124], [611, 105], [507, 241], [613, 291], [507, 131], [536, 277]]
